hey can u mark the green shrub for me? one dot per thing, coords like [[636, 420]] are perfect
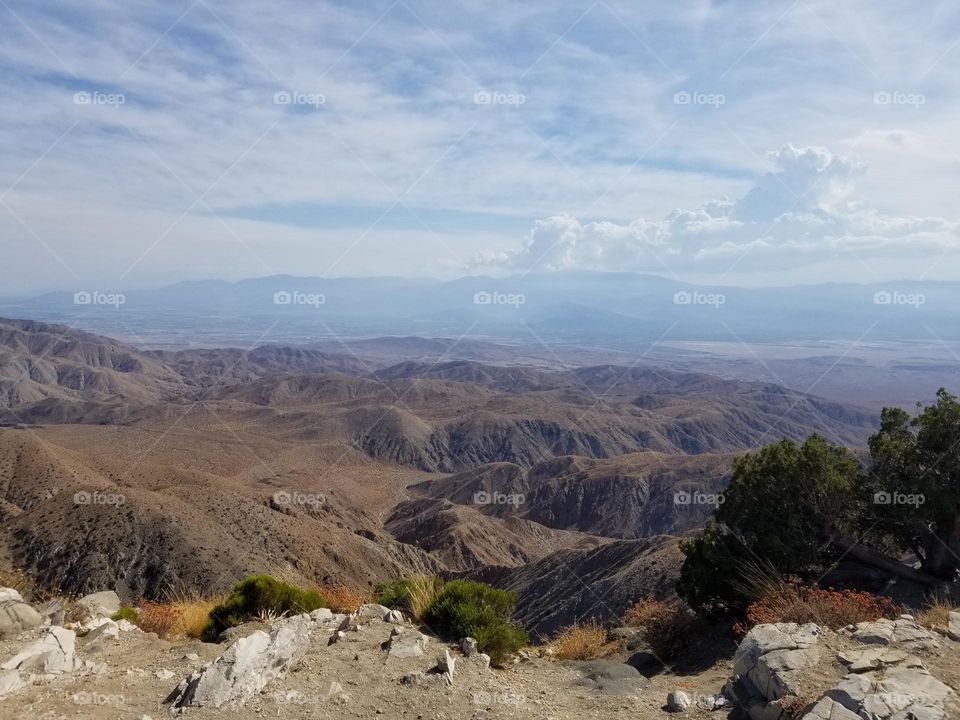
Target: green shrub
[[412, 595], [126, 613], [259, 595], [469, 608], [394, 594]]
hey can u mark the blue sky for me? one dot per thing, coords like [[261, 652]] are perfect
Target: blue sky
[[736, 142]]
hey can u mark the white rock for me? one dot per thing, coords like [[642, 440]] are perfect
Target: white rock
[[468, 646], [484, 660], [446, 663], [828, 709], [954, 628], [9, 594], [104, 603], [321, 615], [373, 610], [163, 674], [394, 616], [53, 653], [108, 630], [16, 617], [407, 645], [246, 667], [10, 681], [678, 701]]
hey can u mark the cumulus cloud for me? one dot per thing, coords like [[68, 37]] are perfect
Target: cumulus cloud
[[799, 212]]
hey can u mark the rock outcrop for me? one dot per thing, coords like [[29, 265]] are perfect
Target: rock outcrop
[[246, 668], [784, 671]]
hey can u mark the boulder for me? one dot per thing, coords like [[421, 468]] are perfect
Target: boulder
[[406, 645], [395, 617], [321, 615], [902, 632], [953, 629], [468, 646], [609, 678], [484, 660], [17, 616], [413, 678], [53, 611], [246, 667], [52, 654], [678, 701], [768, 665], [828, 709], [10, 681], [896, 694], [446, 663], [108, 630], [373, 610], [9, 594], [101, 604]]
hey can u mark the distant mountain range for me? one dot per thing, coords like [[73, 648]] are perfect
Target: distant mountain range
[[615, 309]]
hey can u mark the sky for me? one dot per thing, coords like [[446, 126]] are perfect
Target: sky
[[738, 143]]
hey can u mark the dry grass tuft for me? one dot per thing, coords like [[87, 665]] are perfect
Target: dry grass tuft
[[581, 641], [159, 618], [19, 581], [344, 599], [192, 612], [423, 591], [936, 616], [667, 626]]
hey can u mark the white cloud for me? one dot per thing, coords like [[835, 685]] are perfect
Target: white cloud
[[798, 213]]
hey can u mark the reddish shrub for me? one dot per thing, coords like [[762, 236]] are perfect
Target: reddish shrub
[[835, 609]]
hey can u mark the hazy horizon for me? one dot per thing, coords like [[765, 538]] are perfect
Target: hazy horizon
[[721, 144]]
